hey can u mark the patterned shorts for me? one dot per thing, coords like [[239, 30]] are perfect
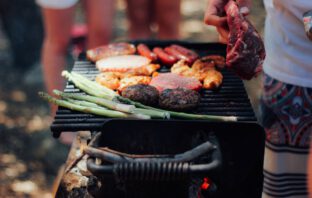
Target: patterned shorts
[[287, 113]]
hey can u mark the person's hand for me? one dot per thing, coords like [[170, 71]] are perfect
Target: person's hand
[[215, 15]]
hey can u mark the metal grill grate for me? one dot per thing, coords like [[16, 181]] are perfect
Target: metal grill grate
[[230, 100]]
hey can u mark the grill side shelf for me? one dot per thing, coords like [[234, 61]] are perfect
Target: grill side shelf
[[230, 100]]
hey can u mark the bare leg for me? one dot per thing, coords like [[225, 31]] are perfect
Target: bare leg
[[58, 25], [140, 19], [100, 19], [168, 18]]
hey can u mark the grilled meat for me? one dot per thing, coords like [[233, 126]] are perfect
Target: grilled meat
[[144, 50], [114, 49], [144, 94], [173, 81], [245, 49], [190, 54], [201, 67], [147, 70], [108, 79], [133, 80], [213, 79], [123, 71], [179, 99], [182, 69], [126, 63], [182, 53], [218, 60], [164, 57]]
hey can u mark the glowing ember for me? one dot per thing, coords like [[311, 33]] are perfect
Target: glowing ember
[[206, 183]]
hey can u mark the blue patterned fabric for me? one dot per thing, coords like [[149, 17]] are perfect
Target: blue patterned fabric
[[288, 131]]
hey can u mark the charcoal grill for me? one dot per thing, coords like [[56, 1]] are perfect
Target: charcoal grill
[[240, 145]]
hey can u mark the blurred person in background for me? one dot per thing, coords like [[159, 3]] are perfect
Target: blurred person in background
[[58, 16], [164, 15], [21, 22], [287, 93]]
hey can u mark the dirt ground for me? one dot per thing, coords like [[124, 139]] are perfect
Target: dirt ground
[[29, 156]]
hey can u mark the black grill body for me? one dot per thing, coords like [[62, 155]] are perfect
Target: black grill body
[[241, 147], [240, 143]]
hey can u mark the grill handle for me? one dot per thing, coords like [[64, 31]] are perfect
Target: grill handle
[[160, 169]]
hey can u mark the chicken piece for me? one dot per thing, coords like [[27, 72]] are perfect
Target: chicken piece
[[182, 69], [146, 70], [201, 67], [213, 79], [122, 75], [133, 80], [218, 60], [108, 79], [155, 74], [151, 68]]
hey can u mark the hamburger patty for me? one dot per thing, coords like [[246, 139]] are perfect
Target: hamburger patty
[[179, 99], [144, 94]]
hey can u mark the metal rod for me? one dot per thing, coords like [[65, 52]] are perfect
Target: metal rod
[[118, 157]]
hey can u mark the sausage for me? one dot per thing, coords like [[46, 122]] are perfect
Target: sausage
[[177, 54], [190, 54], [185, 51], [143, 50], [164, 57]]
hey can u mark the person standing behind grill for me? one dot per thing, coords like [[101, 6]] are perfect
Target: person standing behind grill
[[144, 14], [58, 18], [287, 94]]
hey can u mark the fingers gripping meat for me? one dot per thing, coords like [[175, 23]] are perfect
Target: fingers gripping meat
[[245, 49]]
